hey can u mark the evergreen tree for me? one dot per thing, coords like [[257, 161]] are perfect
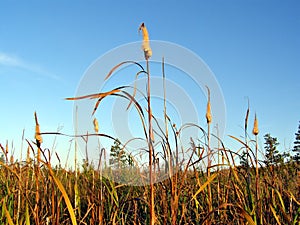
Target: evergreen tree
[[243, 159], [118, 157], [273, 156], [296, 148]]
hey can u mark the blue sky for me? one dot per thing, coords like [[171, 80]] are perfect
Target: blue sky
[[253, 48]]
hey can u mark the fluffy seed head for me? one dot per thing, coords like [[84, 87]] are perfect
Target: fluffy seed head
[[146, 45]]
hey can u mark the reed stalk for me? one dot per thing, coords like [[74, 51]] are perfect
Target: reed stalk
[[255, 131], [208, 121], [148, 53]]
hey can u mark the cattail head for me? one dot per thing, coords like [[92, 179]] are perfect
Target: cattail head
[[255, 130], [146, 45], [208, 113], [38, 136], [28, 155], [6, 148], [96, 125], [208, 109], [247, 116]]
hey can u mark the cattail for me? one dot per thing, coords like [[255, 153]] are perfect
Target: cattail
[[208, 113], [247, 116], [96, 126], [146, 45], [6, 148], [208, 109], [28, 155], [255, 128], [38, 136]]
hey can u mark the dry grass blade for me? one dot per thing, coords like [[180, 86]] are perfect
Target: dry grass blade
[[280, 200], [209, 180], [294, 198], [64, 193], [239, 140], [73, 136], [126, 96], [132, 99], [247, 216], [275, 215], [134, 88], [101, 96], [122, 63], [98, 95], [11, 169]]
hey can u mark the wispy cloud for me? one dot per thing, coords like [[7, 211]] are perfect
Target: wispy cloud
[[14, 61], [9, 60]]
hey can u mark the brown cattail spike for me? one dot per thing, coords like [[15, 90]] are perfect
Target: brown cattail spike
[[96, 125], [247, 116], [38, 136], [255, 127], [146, 45], [208, 109], [6, 148]]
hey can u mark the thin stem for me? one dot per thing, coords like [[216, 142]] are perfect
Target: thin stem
[[259, 213], [151, 150], [208, 120], [76, 169], [208, 167]]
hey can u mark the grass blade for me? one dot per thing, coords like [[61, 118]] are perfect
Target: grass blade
[[8, 217], [64, 193], [209, 180], [275, 215]]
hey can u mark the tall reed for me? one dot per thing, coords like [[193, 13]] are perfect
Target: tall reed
[[148, 53]]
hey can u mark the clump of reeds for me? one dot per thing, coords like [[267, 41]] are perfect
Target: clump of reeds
[[37, 192]]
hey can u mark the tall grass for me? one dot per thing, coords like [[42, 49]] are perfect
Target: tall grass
[[182, 199], [201, 191]]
